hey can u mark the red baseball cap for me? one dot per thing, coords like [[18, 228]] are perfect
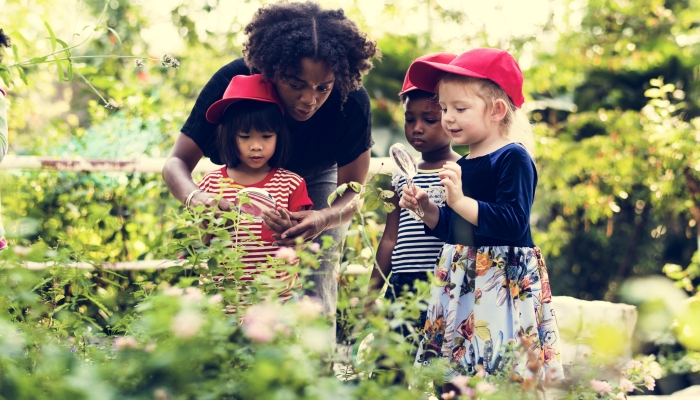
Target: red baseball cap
[[442, 58], [244, 87], [484, 63]]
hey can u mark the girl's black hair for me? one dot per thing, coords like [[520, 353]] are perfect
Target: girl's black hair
[[280, 35], [246, 116]]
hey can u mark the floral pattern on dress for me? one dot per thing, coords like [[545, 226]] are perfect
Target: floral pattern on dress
[[484, 297]]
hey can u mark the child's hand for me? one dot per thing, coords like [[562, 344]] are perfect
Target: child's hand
[[451, 179], [410, 199], [277, 220]]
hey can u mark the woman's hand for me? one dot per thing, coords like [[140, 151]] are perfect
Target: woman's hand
[[451, 179], [307, 225], [410, 198], [278, 220]]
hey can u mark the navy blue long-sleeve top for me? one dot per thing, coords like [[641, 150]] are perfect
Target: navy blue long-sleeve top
[[503, 183]]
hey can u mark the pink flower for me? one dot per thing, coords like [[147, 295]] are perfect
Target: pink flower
[[486, 388], [354, 301], [649, 382], [620, 396], [310, 308], [186, 324], [626, 385], [215, 299], [441, 274], [482, 372], [193, 294], [259, 322], [314, 247], [461, 382], [287, 254], [549, 354], [172, 291], [125, 342], [601, 387]]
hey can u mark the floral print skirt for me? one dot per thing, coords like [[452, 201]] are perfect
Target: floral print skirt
[[486, 297]]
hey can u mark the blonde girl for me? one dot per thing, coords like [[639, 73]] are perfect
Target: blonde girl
[[493, 283]]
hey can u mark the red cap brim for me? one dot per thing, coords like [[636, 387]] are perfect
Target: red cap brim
[[425, 75], [216, 110]]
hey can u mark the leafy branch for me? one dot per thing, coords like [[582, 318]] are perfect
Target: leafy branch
[[64, 59]]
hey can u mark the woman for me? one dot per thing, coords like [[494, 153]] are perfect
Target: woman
[[316, 59]]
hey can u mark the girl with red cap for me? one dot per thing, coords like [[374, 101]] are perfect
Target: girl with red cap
[[253, 142], [405, 251], [493, 282]]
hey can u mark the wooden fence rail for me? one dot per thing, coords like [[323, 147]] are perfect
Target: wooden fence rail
[[144, 165]]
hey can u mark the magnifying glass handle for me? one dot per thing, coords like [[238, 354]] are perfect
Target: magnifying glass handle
[[419, 211]]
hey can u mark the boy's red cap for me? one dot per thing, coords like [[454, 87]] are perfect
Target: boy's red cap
[[244, 87], [494, 64], [442, 58]]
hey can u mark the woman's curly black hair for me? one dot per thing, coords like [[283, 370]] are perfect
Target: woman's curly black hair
[[4, 41], [280, 35]]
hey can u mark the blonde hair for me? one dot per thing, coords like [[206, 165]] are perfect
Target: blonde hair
[[515, 125]]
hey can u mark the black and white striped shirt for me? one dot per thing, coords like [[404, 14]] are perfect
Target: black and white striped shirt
[[415, 251]]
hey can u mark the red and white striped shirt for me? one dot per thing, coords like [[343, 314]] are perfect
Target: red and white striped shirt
[[289, 191]]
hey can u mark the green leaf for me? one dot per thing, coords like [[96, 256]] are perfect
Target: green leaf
[[389, 208], [15, 52], [212, 263], [387, 194], [355, 186], [5, 76], [341, 189], [22, 75], [331, 198], [116, 35], [69, 71], [59, 66], [38, 60], [51, 36], [371, 203]]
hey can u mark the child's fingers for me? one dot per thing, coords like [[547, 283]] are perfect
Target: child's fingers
[[448, 174]]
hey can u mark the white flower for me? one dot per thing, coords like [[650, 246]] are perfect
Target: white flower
[[287, 254], [309, 308], [649, 382], [125, 342], [620, 396], [193, 294], [486, 388], [173, 291], [215, 299], [626, 385], [21, 250], [186, 324]]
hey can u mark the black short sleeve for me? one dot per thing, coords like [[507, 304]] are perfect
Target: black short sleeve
[[197, 127], [357, 135]]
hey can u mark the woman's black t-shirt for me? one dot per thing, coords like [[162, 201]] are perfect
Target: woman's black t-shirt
[[331, 136]]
